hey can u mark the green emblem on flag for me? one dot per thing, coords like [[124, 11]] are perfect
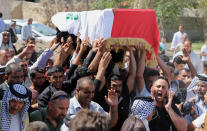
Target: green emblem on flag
[[72, 16]]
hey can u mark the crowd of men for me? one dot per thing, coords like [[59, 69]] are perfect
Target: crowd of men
[[84, 87]]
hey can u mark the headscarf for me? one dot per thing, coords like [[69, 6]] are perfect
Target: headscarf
[[195, 81], [17, 92], [1, 39], [142, 107]]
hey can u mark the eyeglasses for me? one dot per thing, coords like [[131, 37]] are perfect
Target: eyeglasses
[[60, 97]]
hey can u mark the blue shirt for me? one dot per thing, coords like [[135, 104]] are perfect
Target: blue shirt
[[200, 107], [26, 32], [2, 25]]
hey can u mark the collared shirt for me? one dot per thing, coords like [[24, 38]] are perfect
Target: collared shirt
[[26, 32], [177, 38], [2, 25], [204, 50], [200, 107], [41, 115], [75, 107], [195, 60]]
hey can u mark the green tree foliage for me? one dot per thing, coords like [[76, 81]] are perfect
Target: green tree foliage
[[103, 4]]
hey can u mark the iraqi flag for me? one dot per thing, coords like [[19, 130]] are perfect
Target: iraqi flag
[[111, 23]]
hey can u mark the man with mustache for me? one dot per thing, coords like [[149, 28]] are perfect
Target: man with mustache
[[14, 107], [199, 105], [54, 114]]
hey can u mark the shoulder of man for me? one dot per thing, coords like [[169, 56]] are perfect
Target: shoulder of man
[[38, 115]]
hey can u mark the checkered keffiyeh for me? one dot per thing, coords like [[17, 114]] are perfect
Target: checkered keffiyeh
[[141, 108], [6, 117]]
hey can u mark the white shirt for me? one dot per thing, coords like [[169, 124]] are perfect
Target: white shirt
[[199, 121], [144, 92], [15, 123], [195, 59], [204, 50], [177, 38], [75, 107], [26, 32]]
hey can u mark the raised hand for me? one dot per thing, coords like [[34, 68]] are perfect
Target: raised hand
[[186, 57], [170, 98], [83, 46], [66, 49], [112, 99], [104, 62], [53, 45], [78, 43]]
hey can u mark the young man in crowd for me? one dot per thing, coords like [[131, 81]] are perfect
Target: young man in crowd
[[14, 108], [54, 114], [166, 114], [38, 78], [85, 90]]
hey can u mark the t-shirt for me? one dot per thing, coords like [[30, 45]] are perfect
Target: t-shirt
[[204, 50], [161, 120]]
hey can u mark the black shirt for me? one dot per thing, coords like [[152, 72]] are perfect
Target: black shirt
[[123, 107], [162, 120]]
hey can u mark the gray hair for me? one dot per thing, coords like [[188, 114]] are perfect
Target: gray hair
[[37, 126], [13, 67]]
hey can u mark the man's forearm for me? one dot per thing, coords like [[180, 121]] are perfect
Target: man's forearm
[[179, 122], [113, 114], [192, 69]]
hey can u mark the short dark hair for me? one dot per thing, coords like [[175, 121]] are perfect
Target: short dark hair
[[1, 15], [87, 120], [55, 69], [153, 72], [164, 57], [178, 60], [81, 80], [36, 70], [170, 64], [163, 78], [30, 38], [177, 72], [13, 67]]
